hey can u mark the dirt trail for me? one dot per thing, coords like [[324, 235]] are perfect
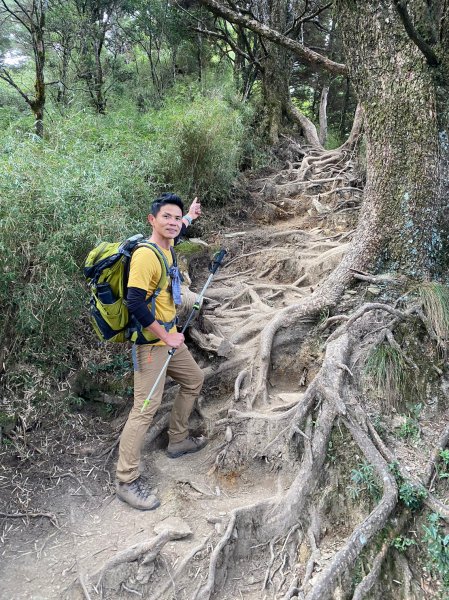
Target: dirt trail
[[269, 267]]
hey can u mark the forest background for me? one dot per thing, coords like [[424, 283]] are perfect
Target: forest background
[[104, 104]]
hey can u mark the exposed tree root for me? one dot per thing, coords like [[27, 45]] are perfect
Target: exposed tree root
[[332, 397], [145, 553]]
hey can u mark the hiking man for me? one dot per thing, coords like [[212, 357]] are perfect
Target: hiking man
[[158, 334]]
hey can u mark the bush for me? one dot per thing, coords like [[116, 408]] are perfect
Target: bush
[[200, 145]]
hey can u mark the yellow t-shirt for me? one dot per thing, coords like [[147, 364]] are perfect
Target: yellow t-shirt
[[145, 273]]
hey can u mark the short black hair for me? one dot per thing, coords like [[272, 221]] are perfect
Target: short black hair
[[166, 198]]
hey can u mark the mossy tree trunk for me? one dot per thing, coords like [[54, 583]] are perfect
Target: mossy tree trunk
[[37, 28], [405, 95], [31, 18], [275, 89], [277, 68]]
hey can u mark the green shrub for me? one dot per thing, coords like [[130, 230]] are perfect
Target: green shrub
[[200, 146]]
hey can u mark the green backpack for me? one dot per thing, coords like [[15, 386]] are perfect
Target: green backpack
[[106, 269]]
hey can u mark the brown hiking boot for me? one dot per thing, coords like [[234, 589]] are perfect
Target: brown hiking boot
[[137, 494], [187, 446]]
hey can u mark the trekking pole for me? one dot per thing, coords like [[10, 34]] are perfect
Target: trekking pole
[[214, 266]]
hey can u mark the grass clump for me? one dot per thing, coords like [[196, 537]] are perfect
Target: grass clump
[[435, 303], [386, 366]]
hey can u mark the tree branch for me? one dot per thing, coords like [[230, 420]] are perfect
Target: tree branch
[[431, 57], [4, 74], [308, 56]]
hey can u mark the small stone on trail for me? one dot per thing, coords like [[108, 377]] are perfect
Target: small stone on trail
[[373, 289], [219, 528], [320, 208], [199, 242], [179, 528], [228, 434], [235, 234]]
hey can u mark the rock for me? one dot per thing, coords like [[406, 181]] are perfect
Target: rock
[[228, 434], [198, 241], [177, 527], [219, 528], [114, 577], [374, 290], [320, 208]]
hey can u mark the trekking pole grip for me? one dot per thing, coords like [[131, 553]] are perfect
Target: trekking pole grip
[[217, 260]]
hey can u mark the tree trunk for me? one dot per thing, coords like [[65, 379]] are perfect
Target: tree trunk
[[99, 98], [406, 122], [323, 115], [344, 110], [276, 68], [37, 30], [275, 89]]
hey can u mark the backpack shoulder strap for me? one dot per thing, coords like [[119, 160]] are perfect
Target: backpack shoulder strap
[[173, 256]]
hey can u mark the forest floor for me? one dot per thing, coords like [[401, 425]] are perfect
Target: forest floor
[[61, 527]]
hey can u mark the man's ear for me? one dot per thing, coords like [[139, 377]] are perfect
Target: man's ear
[[150, 219]]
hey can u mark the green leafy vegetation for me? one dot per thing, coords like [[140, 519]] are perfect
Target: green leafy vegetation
[[443, 467], [410, 429], [402, 543], [364, 481], [437, 542], [92, 178], [411, 495]]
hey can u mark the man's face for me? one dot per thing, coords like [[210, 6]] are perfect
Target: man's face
[[168, 221]]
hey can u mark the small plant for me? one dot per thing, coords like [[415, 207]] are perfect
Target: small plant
[[442, 467], [324, 315], [364, 480], [76, 402], [401, 543], [409, 429], [379, 425], [437, 547], [118, 364], [412, 496]]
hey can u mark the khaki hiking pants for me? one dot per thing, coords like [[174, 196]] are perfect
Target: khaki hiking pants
[[184, 370]]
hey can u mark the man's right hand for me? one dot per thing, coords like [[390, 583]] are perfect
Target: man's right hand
[[174, 340]]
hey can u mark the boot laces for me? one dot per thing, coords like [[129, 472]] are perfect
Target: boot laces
[[138, 486], [195, 440]]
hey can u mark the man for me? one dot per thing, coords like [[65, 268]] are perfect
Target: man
[[158, 335]]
